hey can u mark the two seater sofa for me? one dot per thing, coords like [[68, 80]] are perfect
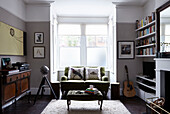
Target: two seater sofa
[[101, 84]]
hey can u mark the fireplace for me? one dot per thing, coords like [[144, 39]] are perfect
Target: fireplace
[[165, 92], [163, 80]]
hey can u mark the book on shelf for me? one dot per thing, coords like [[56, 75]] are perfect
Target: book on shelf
[[150, 40], [153, 39], [153, 16], [137, 23], [146, 51], [145, 21], [151, 51]]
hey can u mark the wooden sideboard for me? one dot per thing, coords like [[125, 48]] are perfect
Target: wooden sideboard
[[13, 86]]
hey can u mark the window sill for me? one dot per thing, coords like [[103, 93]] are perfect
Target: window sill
[[60, 70]]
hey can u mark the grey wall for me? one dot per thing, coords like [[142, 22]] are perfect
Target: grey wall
[[125, 32], [35, 64], [16, 22]]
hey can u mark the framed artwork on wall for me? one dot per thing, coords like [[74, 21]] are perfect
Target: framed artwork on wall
[[12, 40], [38, 52], [126, 49], [38, 37]]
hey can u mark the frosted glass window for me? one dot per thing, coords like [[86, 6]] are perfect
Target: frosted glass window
[[96, 56], [69, 29], [96, 29], [69, 56]]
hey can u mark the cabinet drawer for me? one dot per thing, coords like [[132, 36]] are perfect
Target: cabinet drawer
[[28, 73], [9, 92], [12, 78], [23, 75]]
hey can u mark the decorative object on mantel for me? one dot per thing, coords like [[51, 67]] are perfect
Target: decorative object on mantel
[[38, 37], [126, 50], [38, 52]]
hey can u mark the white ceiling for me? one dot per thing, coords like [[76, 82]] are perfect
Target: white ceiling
[[87, 8]]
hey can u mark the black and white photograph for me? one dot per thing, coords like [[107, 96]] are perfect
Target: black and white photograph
[[38, 37]]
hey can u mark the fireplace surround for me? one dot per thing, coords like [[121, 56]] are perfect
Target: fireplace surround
[[163, 79]]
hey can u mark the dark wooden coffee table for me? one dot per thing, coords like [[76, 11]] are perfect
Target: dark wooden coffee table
[[82, 96]]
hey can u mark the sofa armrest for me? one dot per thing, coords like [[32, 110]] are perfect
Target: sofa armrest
[[105, 78], [63, 78]]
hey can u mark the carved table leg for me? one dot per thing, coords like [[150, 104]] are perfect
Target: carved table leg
[[68, 103], [101, 104]]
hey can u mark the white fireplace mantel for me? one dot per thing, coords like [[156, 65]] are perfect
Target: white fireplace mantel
[[162, 64]]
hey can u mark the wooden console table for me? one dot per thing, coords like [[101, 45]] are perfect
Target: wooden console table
[[13, 86]]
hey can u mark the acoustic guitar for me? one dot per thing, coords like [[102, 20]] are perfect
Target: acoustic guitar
[[128, 88]]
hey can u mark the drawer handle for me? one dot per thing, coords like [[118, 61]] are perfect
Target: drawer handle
[[10, 79]]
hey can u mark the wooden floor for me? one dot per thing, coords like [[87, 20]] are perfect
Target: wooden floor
[[135, 105]]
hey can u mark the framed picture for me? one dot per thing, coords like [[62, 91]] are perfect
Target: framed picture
[[38, 52], [126, 50], [38, 37]]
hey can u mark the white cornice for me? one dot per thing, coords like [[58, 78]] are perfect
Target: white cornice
[[37, 2]]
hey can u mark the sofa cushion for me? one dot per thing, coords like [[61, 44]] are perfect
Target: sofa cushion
[[102, 71], [63, 78], [105, 78], [66, 71], [76, 73], [93, 73]]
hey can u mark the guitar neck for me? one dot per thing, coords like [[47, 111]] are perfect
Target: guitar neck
[[127, 77]]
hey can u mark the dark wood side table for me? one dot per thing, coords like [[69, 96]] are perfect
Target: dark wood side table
[[56, 88], [115, 90]]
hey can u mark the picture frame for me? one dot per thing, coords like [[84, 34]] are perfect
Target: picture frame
[[38, 52], [126, 50], [38, 37]]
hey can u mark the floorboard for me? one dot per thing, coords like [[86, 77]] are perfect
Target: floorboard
[[135, 105]]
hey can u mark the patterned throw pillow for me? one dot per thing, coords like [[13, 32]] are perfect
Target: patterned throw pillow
[[76, 73], [93, 73]]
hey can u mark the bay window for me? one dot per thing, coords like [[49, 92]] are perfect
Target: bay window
[[82, 44]]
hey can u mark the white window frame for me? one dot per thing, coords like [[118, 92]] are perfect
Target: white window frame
[[83, 46]]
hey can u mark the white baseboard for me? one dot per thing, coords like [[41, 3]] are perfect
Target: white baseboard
[[35, 90], [121, 91]]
